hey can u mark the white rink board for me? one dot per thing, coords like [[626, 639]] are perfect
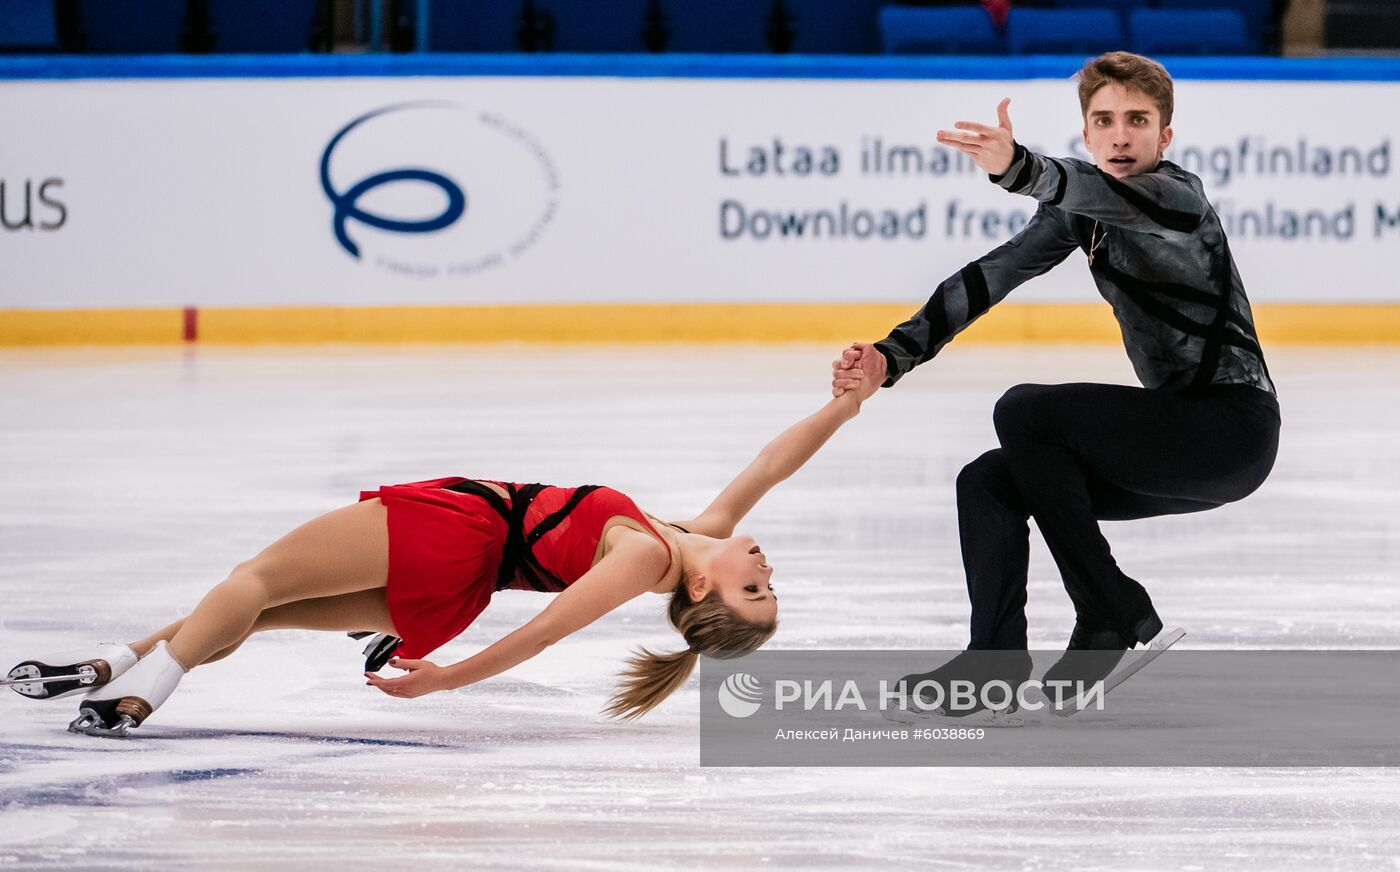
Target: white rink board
[[207, 192]]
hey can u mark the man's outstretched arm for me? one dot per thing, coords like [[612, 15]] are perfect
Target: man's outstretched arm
[[967, 294]]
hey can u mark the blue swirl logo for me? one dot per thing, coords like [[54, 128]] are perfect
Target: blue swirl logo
[[347, 203], [397, 178]]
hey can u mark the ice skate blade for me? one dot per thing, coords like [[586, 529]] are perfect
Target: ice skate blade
[[938, 717], [32, 679], [901, 716], [17, 679], [1129, 666], [982, 718], [89, 724]]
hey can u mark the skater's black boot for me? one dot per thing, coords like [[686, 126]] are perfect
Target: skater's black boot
[[960, 687], [380, 648], [1149, 628], [1092, 654]]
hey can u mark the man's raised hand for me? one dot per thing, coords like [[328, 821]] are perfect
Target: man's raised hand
[[991, 147]]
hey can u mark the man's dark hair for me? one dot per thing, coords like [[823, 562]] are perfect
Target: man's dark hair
[[1132, 71]]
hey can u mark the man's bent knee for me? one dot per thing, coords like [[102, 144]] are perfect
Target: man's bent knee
[[1018, 407], [988, 476], [980, 474]]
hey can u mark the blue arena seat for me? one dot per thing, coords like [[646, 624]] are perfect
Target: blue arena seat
[[713, 26], [835, 26], [472, 26], [129, 26], [764, 26], [739, 26], [1122, 7], [593, 27], [1063, 31], [948, 30], [27, 25], [1258, 16], [262, 25], [1188, 31], [584, 26]]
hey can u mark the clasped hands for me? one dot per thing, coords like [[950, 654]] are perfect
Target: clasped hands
[[860, 369]]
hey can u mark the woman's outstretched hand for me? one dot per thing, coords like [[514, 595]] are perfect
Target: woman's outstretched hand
[[991, 147], [860, 369], [423, 677]]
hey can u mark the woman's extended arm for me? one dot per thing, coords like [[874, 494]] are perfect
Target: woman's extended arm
[[778, 460], [630, 568]]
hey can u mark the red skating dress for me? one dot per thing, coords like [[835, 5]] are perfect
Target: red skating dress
[[453, 542]]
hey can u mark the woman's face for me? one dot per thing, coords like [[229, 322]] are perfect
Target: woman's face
[[738, 570]]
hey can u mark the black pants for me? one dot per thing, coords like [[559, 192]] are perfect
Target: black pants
[[1072, 455]]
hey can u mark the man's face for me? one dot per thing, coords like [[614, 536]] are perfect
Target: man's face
[[1123, 131]]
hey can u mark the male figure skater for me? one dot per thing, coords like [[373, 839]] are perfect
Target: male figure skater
[[1201, 432]]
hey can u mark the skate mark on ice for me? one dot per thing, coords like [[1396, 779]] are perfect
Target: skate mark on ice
[[518, 687], [169, 734], [13, 753], [184, 776], [111, 790], [35, 625]]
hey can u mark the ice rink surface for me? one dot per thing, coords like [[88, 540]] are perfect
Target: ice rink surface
[[135, 479]]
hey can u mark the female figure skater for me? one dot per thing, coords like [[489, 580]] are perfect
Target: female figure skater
[[420, 561]]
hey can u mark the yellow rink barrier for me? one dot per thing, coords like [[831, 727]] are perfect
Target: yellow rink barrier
[[641, 323]]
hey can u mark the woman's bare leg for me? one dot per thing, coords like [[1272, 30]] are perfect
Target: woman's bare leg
[[363, 610], [343, 552], [164, 634]]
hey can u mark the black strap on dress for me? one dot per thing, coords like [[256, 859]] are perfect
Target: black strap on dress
[[517, 555]]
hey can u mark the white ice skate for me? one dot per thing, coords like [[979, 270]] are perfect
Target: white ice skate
[[126, 702], [70, 673]]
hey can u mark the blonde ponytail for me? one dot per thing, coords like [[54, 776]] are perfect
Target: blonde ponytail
[[709, 627], [649, 678]]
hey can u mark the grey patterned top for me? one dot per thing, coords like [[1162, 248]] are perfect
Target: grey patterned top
[[1161, 261]]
